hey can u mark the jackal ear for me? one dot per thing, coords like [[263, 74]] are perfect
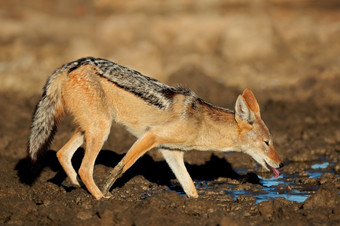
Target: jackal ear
[[251, 101], [242, 112]]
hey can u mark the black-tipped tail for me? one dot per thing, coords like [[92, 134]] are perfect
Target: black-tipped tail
[[44, 126]]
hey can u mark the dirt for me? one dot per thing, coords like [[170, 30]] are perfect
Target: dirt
[[297, 85]]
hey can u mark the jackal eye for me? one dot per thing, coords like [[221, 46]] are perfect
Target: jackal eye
[[266, 142]]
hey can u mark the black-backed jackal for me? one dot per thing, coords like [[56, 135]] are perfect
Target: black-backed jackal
[[96, 92]]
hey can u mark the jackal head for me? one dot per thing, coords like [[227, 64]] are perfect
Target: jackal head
[[255, 138]]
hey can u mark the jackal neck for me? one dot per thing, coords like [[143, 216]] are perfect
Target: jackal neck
[[216, 113], [216, 127]]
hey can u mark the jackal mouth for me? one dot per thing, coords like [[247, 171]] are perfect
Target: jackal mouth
[[275, 171]]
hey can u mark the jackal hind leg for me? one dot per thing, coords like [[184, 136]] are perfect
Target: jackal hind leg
[[95, 137], [175, 161], [139, 148], [65, 154]]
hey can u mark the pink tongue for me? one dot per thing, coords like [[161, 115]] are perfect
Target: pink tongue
[[276, 172]]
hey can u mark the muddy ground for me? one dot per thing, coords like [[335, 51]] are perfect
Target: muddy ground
[[291, 61]]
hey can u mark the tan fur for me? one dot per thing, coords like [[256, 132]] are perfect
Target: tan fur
[[171, 119], [251, 101]]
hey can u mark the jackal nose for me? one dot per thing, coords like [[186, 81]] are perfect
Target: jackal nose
[[281, 165]]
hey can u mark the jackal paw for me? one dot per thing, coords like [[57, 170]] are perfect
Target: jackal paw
[[107, 195]]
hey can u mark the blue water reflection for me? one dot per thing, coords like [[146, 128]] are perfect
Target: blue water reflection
[[287, 186]]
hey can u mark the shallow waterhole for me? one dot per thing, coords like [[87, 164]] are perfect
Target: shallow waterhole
[[288, 186]]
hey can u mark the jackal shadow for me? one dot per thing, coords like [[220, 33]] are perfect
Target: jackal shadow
[[155, 171]]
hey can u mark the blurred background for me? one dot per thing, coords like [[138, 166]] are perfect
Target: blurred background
[[282, 49]]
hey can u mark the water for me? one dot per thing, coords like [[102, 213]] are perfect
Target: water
[[270, 186], [299, 193], [284, 186], [320, 166]]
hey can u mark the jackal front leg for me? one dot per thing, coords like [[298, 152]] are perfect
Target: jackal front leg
[[139, 148], [175, 161]]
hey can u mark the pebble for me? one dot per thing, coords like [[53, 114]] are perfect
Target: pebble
[[337, 168], [303, 174]]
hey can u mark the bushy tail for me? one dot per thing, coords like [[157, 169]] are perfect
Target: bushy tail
[[48, 113]]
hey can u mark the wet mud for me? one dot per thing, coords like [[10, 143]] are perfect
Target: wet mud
[[233, 189]]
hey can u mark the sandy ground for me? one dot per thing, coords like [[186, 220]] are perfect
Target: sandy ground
[[287, 53]]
